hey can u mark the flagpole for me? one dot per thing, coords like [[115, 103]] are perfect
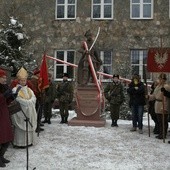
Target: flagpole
[[163, 101]]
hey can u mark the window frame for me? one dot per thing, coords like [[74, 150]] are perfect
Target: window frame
[[141, 63], [102, 67], [66, 10], [141, 3], [102, 4], [62, 64]]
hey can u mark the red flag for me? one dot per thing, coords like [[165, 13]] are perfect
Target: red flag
[[43, 81], [158, 60]]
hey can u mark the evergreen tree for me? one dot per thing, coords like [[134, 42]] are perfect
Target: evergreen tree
[[12, 42]]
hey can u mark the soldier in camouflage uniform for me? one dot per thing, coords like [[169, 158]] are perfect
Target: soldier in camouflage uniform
[[49, 97], [65, 97], [114, 94]]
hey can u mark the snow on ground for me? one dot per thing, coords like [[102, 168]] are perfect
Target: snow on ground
[[63, 147]]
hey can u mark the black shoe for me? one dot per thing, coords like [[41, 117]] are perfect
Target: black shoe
[[49, 121], [45, 121], [4, 160], [61, 122], [41, 124], [156, 132], [39, 130], [169, 142], [2, 164], [159, 137]]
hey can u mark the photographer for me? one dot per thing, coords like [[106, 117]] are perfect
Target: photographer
[[114, 94]]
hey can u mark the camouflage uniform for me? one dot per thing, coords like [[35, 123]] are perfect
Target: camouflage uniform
[[114, 94], [65, 97], [49, 97]]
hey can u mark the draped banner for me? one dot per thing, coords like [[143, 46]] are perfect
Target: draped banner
[[43, 81], [158, 60]]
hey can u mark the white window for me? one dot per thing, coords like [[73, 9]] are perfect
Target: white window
[[60, 68], [106, 57], [66, 9], [141, 9], [102, 9], [139, 63]]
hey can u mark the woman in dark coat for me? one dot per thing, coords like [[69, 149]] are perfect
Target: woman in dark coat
[[6, 134]]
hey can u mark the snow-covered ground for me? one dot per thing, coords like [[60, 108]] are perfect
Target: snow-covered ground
[[63, 147]]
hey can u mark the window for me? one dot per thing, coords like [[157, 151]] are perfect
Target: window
[[60, 68], [66, 9], [102, 9], [106, 57], [141, 9], [139, 62]]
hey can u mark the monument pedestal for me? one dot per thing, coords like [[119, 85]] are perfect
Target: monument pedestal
[[88, 107]]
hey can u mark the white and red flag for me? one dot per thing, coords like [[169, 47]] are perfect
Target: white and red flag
[[158, 60]]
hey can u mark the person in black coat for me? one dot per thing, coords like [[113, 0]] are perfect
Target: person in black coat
[[136, 91]]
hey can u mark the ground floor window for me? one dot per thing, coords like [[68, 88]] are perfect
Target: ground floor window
[[106, 57], [139, 62], [60, 68]]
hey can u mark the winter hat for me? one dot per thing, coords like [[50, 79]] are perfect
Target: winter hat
[[22, 74], [116, 75], [136, 76], [65, 75], [2, 73], [162, 76]]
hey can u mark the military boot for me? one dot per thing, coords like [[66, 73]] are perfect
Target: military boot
[[62, 120], [2, 159], [65, 119], [2, 163], [115, 123]]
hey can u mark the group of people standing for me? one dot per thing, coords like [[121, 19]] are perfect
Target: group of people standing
[[33, 104], [158, 106]]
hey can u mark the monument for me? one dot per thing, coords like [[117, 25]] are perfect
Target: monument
[[88, 93]]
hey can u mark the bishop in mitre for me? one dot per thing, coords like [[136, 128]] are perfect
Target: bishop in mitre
[[27, 100]]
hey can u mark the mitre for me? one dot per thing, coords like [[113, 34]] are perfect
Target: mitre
[[22, 74]]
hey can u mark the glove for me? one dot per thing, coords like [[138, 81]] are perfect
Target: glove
[[7, 93], [162, 89]]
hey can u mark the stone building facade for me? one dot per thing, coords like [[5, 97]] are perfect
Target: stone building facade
[[121, 37]]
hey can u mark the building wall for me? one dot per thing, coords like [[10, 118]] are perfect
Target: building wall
[[120, 34]]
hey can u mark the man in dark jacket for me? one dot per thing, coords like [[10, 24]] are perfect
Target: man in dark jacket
[[136, 92], [6, 133], [114, 94], [65, 97]]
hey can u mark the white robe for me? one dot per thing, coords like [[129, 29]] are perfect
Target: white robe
[[28, 106]]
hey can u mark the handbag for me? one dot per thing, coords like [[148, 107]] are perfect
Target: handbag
[[14, 107]]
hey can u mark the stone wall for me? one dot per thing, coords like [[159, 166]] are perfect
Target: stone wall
[[120, 34]]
